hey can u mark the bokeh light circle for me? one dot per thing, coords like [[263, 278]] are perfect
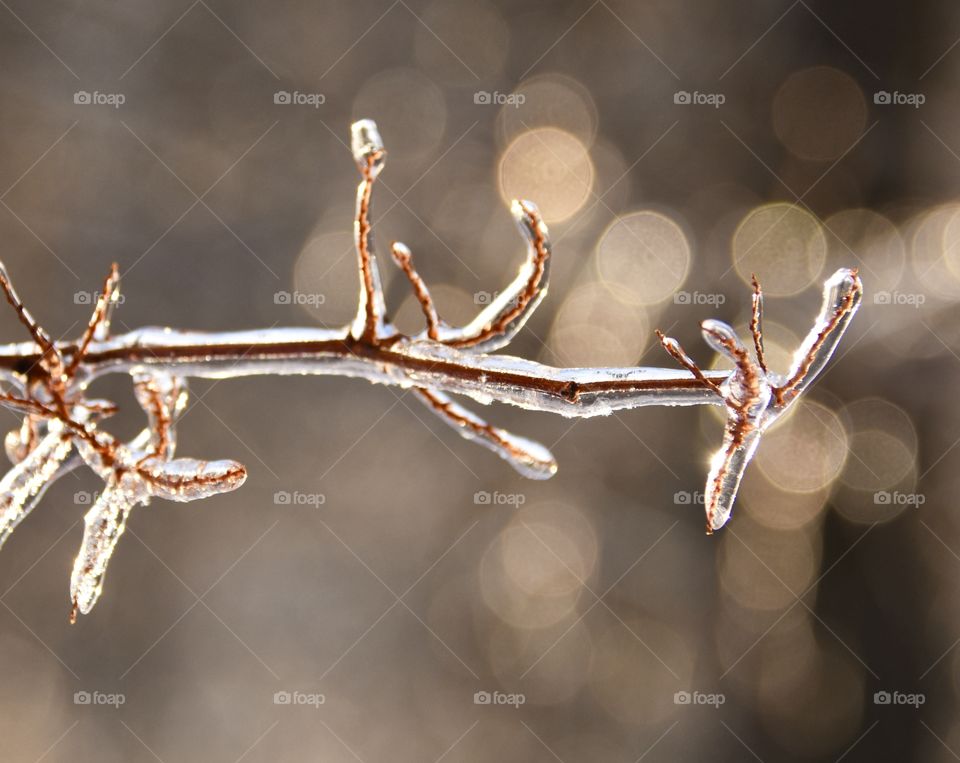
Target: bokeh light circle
[[806, 450], [549, 167], [534, 571], [593, 328], [643, 257], [866, 239], [325, 278], [550, 100], [819, 113], [783, 245]]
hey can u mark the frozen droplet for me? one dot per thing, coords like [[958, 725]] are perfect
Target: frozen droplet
[[722, 339], [366, 143]]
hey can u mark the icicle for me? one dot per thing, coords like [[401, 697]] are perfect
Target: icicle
[[23, 486], [104, 523]]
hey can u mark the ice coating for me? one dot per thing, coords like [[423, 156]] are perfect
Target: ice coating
[[47, 383], [132, 479], [369, 154], [727, 467], [723, 339], [367, 145], [496, 325], [134, 473], [22, 487], [103, 525], [50, 355], [741, 435], [842, 294], [18, 442], [188, 479], [403, 257], [111, 298], [99, 323], [529, 458], [755, 397], [163, 397]]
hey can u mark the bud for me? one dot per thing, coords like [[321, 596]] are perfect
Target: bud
[[365, 142]]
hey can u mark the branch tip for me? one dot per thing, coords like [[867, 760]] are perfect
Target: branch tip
[[404, 259], [756, 322], [367, 147], [676, 351]]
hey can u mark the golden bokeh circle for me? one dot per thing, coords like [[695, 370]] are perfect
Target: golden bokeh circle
[[643, 257], [806, 451], [783, 244], [593, 328], [550, 100], [535, 570], [325, 281], [549, 167]]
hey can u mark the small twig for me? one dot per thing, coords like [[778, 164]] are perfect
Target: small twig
[[756, 322], [842, 295], [672, 346], [404, 259], [369, 154], [100, 315], [499, 322], [51, 360]]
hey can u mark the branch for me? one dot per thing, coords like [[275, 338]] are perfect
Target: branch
[[62, 427]]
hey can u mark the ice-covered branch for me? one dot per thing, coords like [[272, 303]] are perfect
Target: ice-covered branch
[[47, 382]]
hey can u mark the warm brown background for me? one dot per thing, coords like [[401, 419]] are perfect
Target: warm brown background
[[210, 609]]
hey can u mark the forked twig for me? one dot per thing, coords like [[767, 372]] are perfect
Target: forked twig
[[48, 382]]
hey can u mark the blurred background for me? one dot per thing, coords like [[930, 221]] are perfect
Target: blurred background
[[382, 590]]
